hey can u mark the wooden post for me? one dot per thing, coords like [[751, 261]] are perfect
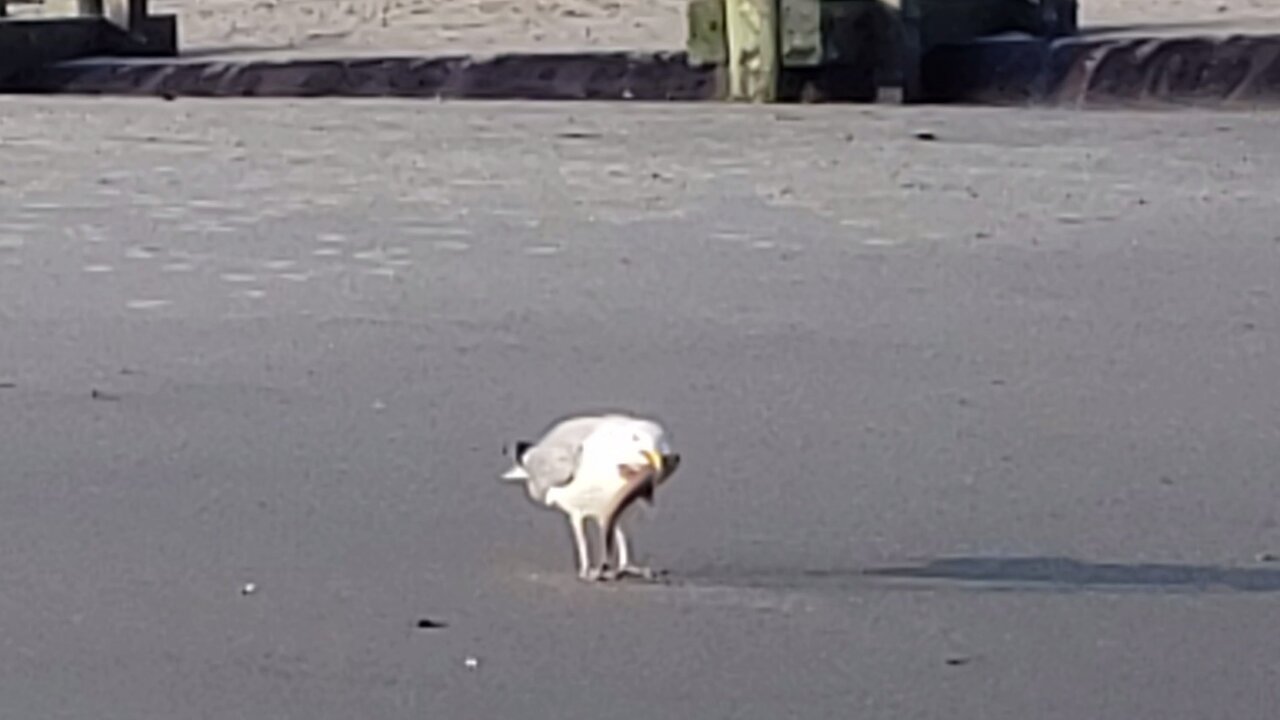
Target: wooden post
[[706, 41], [800, 32], [752, 27], [706, 44]]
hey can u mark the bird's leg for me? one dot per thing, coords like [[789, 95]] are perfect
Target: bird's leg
[[624, 552], [607, 570], [578, 523], [639, 485], [624, 566]]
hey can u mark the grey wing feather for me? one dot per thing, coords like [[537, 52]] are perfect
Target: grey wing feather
[[549, 467], [554, 458]]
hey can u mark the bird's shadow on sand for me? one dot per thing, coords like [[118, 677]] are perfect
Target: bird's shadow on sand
[[1006, 574]]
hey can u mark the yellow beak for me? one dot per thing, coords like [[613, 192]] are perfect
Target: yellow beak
[[654, 459]]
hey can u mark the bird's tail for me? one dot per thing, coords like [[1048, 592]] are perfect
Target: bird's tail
[[517, 472]]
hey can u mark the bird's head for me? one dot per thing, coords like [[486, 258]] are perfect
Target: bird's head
[[637, 443]]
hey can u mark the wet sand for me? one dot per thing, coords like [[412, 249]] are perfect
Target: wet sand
[[976, 426]]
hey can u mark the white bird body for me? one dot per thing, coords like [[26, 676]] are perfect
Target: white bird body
[[586, 467], [593, 488]]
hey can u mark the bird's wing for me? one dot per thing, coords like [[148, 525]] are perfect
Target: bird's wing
[[553, 460], [542, 457], [550, 465]]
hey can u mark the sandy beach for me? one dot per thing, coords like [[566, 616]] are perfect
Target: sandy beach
[[448, 26]]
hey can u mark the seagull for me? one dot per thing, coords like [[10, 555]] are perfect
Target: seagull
[[595, 467]]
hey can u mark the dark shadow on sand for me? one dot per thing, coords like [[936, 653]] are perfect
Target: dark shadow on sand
[[1068, 574], [1002, 574]]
